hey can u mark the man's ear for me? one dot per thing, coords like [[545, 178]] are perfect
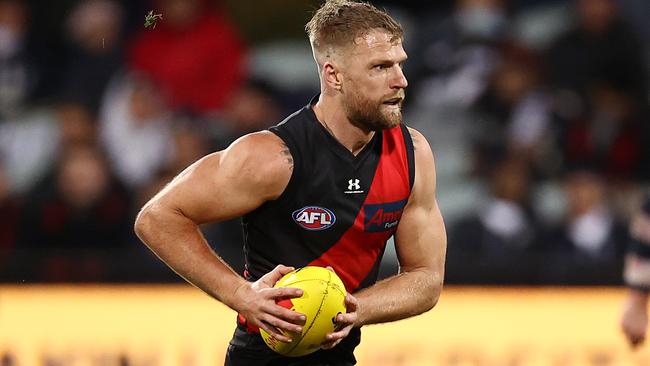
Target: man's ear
[[331, 75]]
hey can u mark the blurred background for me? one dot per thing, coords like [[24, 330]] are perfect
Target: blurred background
[[537, 112]]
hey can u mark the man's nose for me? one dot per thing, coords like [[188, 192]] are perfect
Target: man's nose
[[399, 80]]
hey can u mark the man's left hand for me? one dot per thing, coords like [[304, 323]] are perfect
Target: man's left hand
[[344, 323]]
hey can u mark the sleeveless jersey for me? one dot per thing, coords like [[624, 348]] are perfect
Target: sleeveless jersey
[[338, 209]]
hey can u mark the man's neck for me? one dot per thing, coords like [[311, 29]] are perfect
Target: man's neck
[[331, 115]]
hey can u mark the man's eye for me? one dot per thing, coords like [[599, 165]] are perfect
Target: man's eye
[[381, 67]]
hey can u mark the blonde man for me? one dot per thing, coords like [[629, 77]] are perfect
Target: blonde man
[[328, 186]]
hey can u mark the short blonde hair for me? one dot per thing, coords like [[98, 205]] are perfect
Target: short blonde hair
[[337, 23]]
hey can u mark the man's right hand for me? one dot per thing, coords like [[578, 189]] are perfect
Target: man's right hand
[[634, 321], [257, 302]]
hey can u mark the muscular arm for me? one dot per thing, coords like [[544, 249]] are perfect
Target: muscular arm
[[220, 186], [421, 244]]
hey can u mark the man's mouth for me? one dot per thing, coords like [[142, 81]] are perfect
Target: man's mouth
[[393, 101]]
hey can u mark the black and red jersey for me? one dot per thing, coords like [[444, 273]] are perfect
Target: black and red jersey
[[338, 209]]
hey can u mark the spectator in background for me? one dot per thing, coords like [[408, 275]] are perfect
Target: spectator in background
[[600, 47], [587, 248], [18, 74], [498, 241], [601, 57], [189, 146], [94, 31], [76, 123], [609, 136], [246, 110], [458, 53], [634, 320], [514, 111], [30, 144], [85, 210], [600, 109], [194, 54], [135, 127]]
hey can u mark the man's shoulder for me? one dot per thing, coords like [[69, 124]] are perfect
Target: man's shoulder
[[415, 134], [261, 146], [261, 158], [264, 137], [420, 143]]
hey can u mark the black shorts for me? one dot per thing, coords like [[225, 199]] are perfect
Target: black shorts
[[249, 349]]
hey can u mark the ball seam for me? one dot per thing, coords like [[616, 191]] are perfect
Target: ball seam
[[320, 308]]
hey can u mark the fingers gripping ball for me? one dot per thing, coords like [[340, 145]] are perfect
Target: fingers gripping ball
[[323, 298]]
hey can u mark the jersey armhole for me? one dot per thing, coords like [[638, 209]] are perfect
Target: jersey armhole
[[410, 154], [291, 186]]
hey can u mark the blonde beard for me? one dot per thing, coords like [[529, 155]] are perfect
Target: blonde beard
[[370, 118]]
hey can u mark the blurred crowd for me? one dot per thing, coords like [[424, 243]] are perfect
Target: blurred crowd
[[537, 112]]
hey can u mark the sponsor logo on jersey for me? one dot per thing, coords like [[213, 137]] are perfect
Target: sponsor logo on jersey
[[382, 216], [314, 218], [354, 186]]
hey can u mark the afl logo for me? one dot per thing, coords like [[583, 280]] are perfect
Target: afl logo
[[314, 218]]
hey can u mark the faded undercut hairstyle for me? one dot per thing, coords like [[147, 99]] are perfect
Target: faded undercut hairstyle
[[339, 22]]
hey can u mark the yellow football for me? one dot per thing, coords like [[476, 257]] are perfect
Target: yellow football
[[323, 298]]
